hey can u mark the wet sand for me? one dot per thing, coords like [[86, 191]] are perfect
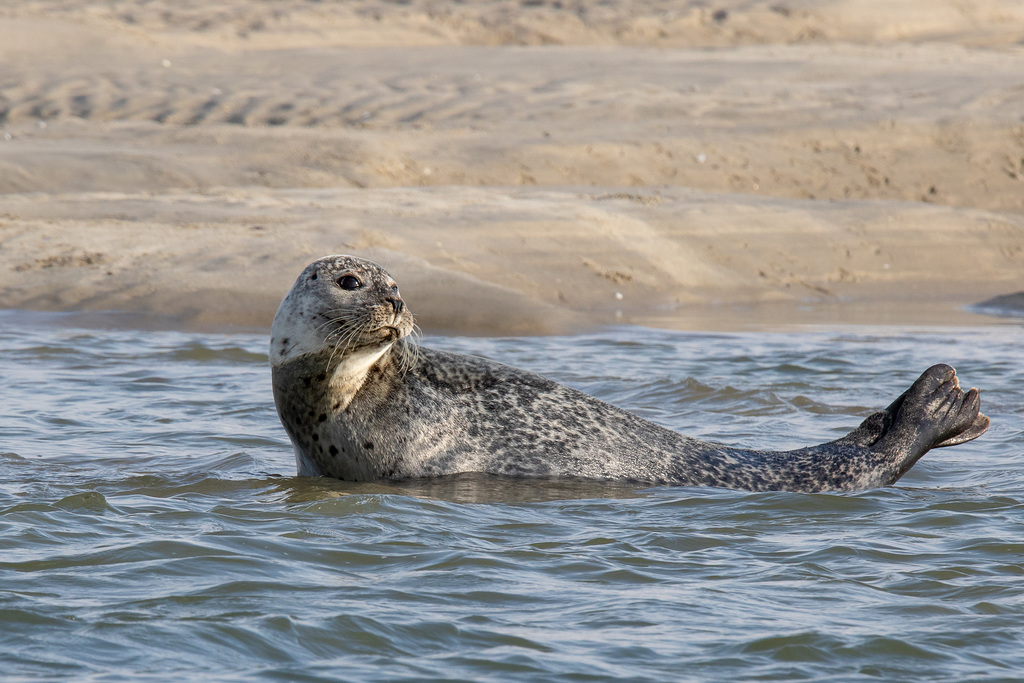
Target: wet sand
[[520, 167]]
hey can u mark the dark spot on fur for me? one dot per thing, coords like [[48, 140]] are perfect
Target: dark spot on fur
[[316, 437], [321, 377], [368, 446], [323, 417], [307, 381], [333, 449], [336, 405], [284, 342]]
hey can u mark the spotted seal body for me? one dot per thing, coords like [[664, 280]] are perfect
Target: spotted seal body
[[360, 402]]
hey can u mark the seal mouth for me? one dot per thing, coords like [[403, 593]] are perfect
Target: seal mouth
[[386, 332]]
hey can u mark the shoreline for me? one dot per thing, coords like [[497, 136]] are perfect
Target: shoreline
[[514, 260], [733, 319]]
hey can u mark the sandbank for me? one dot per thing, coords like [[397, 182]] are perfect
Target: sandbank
[[520, 167]]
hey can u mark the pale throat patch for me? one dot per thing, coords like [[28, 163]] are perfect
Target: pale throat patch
[[356, 363], [351, 372]]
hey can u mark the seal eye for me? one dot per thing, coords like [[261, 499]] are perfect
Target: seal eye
[[349, 282]]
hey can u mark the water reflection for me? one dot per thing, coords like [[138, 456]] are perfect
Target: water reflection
[[470, 487]]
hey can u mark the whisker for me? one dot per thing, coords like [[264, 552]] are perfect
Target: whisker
[[330, 321], [349, 335], [410, 350]]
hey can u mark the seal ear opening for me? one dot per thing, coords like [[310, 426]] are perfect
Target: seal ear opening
[[313, 276]]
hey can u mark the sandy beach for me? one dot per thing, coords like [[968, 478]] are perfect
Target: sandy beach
[[520, 167]]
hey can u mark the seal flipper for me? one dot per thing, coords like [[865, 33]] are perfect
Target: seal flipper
[[977, 428], [934, 412], [877, 424], [870, 430]]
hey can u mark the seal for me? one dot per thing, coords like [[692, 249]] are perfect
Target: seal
[[361, 401]]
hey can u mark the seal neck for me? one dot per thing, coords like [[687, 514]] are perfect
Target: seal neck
[[352, 369], [340, 376]]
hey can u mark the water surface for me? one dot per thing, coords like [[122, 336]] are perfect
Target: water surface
[[151, 527]]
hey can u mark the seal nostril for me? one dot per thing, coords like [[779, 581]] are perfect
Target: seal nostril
[[397, 304]]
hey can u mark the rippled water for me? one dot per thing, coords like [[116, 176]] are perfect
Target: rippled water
[[151, 526]]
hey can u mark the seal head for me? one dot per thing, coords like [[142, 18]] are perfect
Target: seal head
[[344, 303]]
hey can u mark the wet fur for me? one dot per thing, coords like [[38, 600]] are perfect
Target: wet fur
[[419, 412]]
